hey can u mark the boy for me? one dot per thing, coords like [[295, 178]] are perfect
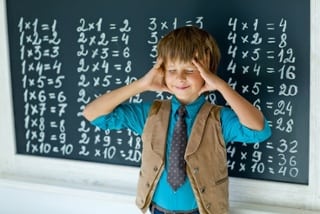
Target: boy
[[186, 67]]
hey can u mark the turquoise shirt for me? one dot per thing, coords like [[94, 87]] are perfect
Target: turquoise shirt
[[133, 116]]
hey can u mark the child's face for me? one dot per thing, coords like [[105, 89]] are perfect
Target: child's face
[[183, 80]]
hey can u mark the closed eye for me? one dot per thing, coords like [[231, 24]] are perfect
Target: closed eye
[[190, 71]]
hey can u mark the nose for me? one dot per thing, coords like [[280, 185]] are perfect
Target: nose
[[181, 76]]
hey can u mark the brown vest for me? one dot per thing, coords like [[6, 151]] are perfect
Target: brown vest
[[205, 157]]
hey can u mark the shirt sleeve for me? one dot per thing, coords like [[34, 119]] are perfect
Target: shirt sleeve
[[125, 116], [234, 131]]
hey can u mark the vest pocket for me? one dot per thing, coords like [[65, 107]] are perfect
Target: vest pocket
[[218, 182]]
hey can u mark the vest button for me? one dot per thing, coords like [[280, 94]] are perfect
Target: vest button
[[195, 170], [148, 185], [208, 205], [203, 189], [155, 168]]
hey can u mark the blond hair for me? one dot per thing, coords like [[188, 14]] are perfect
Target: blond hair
[[187, 43]]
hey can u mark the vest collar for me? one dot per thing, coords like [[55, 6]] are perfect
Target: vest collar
[[198, 129]]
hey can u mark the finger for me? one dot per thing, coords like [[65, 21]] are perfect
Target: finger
[[158, 63], [204, 72], [197, 64]]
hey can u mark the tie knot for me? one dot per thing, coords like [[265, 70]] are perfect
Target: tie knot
[[182, 111]]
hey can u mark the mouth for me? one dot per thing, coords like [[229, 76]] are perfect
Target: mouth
[[181, 87]]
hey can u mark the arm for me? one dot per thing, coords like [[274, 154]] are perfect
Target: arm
[[248, 115], [107, 102]]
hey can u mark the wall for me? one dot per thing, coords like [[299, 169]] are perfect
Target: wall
[[33, 183]]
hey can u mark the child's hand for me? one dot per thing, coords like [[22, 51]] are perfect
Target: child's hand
[[154, 79], [211, 80]]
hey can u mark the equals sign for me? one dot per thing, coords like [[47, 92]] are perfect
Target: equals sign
[[45, 27], [189, 23], [122, 153], [270, 159], [53, 137], [270, 70], [114, 39], [53, 124], [45, 38], [269, 146], [270, 123], [118, 81], [46, 66], [269, 105], [270, 54], [115, 53], [119, 141], [271, 40], [50, 81], [270, 26], [53, 109], [46, 52], [270, 89], [112, 26], [52, 95], [271, 171], [117, 67]]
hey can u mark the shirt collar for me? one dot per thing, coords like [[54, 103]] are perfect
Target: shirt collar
[[192, 108]]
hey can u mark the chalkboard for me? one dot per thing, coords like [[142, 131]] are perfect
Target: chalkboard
[[64, 54]]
